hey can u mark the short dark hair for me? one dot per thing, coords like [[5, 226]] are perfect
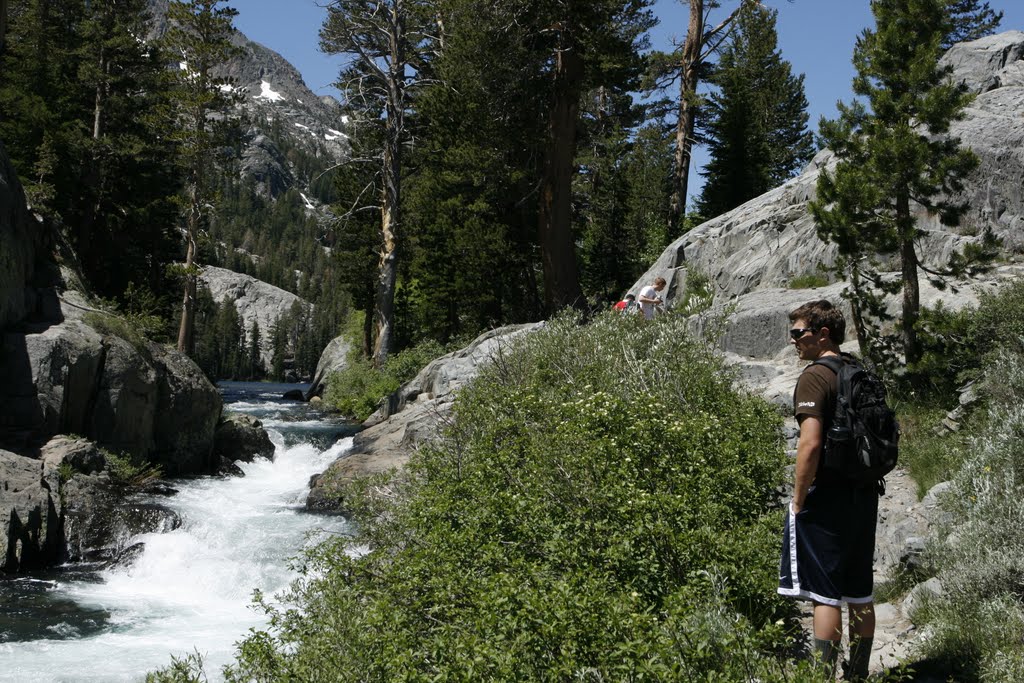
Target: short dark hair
[[822, 313], [630, 297]]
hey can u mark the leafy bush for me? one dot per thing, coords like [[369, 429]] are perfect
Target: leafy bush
[[699, 294], [957, 344], [358, 389], [136, 320], [602, 507], [130, 472], [116, 326], [187, 669], [975, 625]]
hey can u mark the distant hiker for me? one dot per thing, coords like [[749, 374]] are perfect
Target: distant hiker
[[829, 538], [649, 299], [627, 305]]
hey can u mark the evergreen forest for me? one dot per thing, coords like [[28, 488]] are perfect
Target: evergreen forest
[[603, 500], [515, 170]]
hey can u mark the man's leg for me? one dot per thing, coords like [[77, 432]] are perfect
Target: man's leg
[[828, 632], [862, 633]]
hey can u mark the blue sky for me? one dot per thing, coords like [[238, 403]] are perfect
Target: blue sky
[[816, 36]]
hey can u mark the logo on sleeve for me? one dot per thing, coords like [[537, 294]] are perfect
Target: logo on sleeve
[[805, 404]]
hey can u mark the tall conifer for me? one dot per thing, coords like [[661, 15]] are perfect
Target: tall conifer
[[892, 156], [971, 19], [200, 32], [757, 120], [386, 43]]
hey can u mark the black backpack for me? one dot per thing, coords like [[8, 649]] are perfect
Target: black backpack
[[862, 442]]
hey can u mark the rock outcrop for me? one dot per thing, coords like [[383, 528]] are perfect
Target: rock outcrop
[[753, 252], [333, 359], [255, 300], [150, 402], [30, 523], [62, 506], [409, 416], [241, 437], [770, 240]]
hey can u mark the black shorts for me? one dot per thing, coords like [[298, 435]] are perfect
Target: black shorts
[[828, 549]]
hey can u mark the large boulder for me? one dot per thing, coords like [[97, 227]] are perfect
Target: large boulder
[[242, 437], [76, 454], [188, 408], [770, 240], [150, 402], [409, 417], [125, 402], [333, 359], [255, 300], [31, 533], [58, 371]]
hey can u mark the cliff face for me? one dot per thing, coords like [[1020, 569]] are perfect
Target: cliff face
[[20, 238], [765, 243], [273, 90], [64, 370], [255, 300]]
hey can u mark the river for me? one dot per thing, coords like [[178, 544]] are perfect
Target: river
[[191, 588]]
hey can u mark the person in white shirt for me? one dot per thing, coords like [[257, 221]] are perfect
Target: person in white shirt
[[649, 299]]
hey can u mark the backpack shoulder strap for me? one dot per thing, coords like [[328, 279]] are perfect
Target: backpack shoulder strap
[[833, 363]]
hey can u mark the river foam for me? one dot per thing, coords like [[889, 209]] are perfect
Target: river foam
[[191, 589]]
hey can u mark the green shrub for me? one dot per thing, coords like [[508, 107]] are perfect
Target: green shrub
[[187, 669], [930, 455], [116, 326], [699, 294], [357, 390], [975, 625], [125, 470], [808, 281], [602, 507], [958, 344]]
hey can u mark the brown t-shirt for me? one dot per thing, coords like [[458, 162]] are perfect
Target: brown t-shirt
[[815, 396]]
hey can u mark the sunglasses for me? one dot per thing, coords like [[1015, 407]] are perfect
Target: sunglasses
[[798, 332]]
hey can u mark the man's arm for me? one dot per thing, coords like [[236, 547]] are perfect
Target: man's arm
[[649, 300], [808, 452]]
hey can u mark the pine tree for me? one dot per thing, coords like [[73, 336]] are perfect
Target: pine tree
[[593, 44], [200, 31], [971, 19], [386, 41], [473, 212], [648, 170], [896, 155], [756, 123], [82, 98], [122, 205], [608, 251], [39, 96], [254, 361]]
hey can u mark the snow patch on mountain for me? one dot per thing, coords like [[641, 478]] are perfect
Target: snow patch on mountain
[[268, 93]]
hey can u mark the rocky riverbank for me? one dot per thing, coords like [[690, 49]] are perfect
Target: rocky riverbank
[[80, 393]]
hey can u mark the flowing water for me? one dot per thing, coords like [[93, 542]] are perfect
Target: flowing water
[[190, 589]]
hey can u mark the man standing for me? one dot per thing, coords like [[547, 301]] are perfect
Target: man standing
[[649, 298], [829, 539]]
